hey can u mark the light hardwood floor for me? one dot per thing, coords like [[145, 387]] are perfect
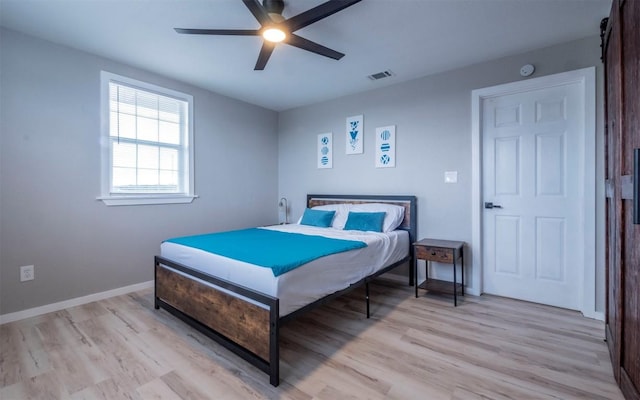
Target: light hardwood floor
[[486, 348]]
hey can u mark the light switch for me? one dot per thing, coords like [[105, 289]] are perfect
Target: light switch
[[451, 177]]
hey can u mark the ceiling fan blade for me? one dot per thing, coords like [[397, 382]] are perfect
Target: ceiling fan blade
[[305, 44], [265, 53], [239, 32], [258, 11], [316, 14]]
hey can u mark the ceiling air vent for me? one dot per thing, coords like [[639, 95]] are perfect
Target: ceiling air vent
[[380, 75]]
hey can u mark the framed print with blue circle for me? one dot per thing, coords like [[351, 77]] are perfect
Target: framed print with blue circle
[[325, 150], [355, 136], [386, 147]]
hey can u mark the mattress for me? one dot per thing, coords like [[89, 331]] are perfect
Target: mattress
[[311, 281]]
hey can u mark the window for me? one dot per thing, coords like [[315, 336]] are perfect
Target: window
[[147, 137]]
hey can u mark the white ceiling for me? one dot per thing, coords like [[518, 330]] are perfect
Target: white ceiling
[[412, 38]]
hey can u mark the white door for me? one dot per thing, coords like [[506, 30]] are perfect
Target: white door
[[530, 172]]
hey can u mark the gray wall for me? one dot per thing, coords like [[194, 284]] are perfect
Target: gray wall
[[433, 125], [50, 177]]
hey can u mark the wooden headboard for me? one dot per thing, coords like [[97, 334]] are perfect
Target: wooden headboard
[[410, 222]]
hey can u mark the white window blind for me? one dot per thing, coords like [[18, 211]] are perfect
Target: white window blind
[[149, 136]]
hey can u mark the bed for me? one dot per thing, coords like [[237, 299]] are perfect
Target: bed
[[242, 306]]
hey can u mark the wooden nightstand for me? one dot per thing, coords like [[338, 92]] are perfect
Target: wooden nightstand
[[442, 251]]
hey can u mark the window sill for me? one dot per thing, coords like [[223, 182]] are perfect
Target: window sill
[[146, 200]]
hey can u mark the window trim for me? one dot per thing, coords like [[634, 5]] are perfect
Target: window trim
[[119, 199]]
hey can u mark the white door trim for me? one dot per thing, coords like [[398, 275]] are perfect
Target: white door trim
[[587, 78]]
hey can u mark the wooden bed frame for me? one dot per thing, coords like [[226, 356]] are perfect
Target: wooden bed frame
[[212, 306]]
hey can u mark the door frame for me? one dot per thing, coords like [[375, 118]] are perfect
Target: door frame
[[586, 77]]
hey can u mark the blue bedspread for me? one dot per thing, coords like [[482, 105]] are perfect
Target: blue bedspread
[[280, 251]]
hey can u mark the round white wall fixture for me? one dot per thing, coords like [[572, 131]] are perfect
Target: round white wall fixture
[[527, 70]]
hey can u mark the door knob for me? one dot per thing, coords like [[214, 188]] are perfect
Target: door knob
[[490, 205]]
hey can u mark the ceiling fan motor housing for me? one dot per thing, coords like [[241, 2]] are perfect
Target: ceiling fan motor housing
[[273, 6]]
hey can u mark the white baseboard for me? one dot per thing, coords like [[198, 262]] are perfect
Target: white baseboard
[[473, 291], [32, 312], [597, 315], [396, 277]]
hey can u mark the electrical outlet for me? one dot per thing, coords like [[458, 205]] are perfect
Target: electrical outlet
[[27, 273]]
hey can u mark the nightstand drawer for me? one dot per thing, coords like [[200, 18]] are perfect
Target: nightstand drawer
[[436, 254]]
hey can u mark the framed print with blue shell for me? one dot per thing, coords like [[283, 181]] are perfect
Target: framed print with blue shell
[[325, 150], [386, 147], [355, 138]]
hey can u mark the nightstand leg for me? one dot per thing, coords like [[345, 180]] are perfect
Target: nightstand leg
[[426, 273], [455, 291], [412, 268], [462, 263], [415, 274]]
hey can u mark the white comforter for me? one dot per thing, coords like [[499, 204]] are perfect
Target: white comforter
[[310, 282]]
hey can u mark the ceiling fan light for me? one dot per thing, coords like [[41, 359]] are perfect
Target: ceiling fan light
[[273, 35]]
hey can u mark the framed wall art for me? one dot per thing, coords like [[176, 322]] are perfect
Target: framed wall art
[[386, 146], [325, 150], [355, 134]]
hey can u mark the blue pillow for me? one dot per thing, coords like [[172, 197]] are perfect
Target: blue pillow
[[319, 218], [364, 221]]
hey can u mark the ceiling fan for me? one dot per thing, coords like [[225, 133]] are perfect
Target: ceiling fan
[[274, 28]]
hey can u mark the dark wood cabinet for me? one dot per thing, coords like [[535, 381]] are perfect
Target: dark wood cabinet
[[621, 56]]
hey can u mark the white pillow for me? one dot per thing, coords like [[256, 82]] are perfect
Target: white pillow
[[339, 219], [392, 219]]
